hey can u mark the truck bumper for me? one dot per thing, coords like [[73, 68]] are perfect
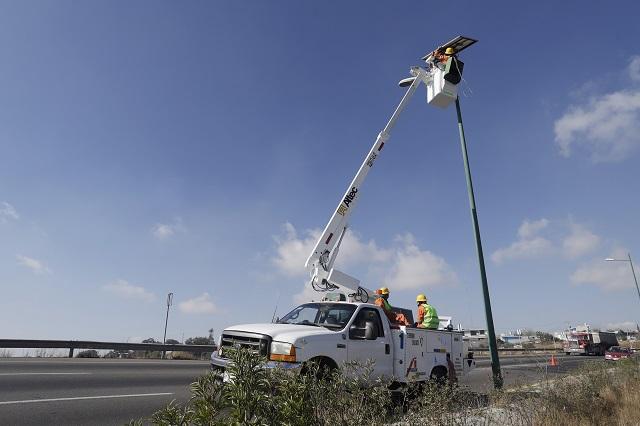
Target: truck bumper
[[221, 364]]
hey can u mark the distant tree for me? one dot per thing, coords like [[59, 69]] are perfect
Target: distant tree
[[90, 353], [172, 342], [544, 336], [199, 341]]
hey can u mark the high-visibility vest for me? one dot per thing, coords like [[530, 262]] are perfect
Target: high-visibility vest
[[384, 304], [430, 319]]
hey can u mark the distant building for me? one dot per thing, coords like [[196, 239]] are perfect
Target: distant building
[[477, 338], [518, 340]]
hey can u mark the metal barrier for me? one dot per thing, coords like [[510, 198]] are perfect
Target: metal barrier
[[87, 344]]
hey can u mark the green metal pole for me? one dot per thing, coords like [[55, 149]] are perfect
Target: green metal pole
[[495, 360], [634, 274]]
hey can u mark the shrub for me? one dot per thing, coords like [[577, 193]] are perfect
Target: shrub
[[598, 394], [90, 353], [182, 355]]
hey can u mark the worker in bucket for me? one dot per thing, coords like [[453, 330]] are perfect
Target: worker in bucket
[[442, 57], [383, 301], [427, 315]]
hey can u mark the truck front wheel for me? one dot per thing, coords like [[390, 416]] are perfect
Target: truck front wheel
[[321, 367]]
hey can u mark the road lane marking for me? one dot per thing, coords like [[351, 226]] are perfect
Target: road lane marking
[[80, 398], [41, 374]]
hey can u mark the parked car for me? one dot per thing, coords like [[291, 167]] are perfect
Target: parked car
[[616, 353]]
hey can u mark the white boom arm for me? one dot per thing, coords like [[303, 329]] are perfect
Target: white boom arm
[[321, 259]]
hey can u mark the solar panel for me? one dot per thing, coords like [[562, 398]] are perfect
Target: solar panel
[[458, 44]]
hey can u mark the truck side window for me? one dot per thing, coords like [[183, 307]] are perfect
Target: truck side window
[[368, 314]]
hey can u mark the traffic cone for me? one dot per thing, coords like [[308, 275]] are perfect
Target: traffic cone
[[553, 361]]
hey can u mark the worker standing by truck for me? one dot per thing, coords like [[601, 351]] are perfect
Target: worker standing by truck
[[427, 315]]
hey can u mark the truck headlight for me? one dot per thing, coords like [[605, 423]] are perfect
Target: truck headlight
[[281, 351]]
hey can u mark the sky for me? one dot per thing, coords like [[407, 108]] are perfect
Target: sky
[[199, 148]]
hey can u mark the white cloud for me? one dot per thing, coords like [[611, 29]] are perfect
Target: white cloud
[[529, 229], [8, 212], [199, 305], [634, 68], [125, 290], [413, 268], [35, 265], [406, 265], [531, 244], [580, 242], [163, 231], [292, 250], [528, 245], [607, 126], [605, 275]]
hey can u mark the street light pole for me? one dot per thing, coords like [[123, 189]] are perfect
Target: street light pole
[[634, 274], [493, 347], [633, 271], [166, 320]]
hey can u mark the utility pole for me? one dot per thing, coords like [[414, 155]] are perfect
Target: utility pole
[[166, 321], [493, 347], [633, 271]]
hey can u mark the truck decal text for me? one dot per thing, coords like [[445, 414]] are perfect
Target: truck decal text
[[342, 208]]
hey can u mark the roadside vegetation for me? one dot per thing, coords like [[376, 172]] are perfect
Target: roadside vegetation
[[600, 393]]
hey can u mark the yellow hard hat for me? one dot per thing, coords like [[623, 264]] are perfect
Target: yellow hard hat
[[384, 290], [449, 51], [421, 298]]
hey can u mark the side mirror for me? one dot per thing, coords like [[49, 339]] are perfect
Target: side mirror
[[356, 333], [370, 331]]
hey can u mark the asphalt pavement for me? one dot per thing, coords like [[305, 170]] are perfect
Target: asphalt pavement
[[523, 370], [62, 391]]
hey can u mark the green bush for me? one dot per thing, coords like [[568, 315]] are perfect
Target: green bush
[[260, 396], [90, 353], [598, 394]]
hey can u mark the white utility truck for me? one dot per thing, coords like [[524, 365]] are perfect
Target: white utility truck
[[350, 327], [332, 333]]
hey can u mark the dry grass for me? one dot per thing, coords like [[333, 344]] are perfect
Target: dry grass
[[598, 394]]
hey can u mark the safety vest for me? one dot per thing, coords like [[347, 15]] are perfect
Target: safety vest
[[430, 319], [384, 304]]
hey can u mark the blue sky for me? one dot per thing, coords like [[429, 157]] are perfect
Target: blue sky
[[148, 147]]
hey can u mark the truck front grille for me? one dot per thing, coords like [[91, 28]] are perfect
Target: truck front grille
[[256, 343]]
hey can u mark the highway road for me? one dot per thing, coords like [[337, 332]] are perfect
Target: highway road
[[523, 370], [62, 391]]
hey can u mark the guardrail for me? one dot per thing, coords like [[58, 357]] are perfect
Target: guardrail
[[519, 350], [87, 344]]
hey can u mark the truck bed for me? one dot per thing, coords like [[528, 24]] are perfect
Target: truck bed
[[418, 351]]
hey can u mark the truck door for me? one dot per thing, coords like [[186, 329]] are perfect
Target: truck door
[[369, 341]]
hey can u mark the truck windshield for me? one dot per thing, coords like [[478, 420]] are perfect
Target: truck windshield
[[330, 315]]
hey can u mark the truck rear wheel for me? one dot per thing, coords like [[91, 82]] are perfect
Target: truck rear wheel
[[439, 375]]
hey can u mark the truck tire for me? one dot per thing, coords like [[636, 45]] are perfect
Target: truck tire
[[439, 375], [322, 367]]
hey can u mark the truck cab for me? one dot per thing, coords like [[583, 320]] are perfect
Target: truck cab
[[333, 333]]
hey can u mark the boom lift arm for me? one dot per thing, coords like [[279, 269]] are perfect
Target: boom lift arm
[[323, 255]]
